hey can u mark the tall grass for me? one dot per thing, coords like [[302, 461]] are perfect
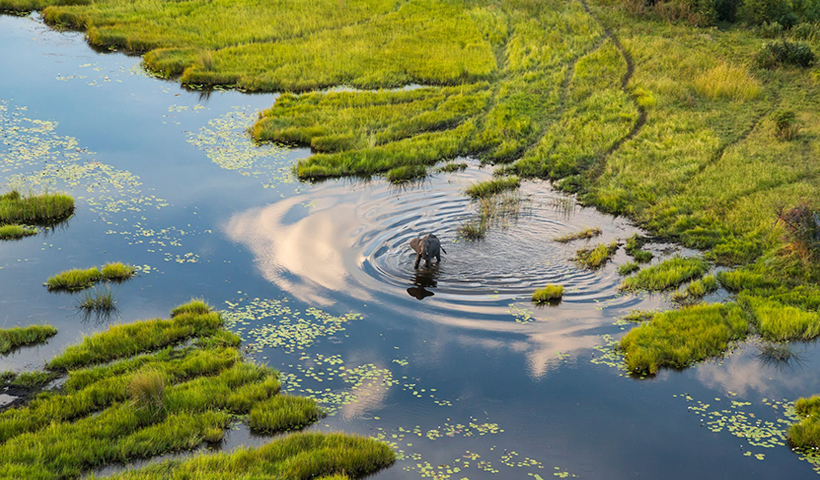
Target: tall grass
[[15, 232], [45, 209], [778, 322], [75, 279], [16, 337], [492, 187], [597, 256], [548, 294], [148, 390], [117, 271], [805, 434], [100, 302], [586, 233], [668, 274], [732, 82], [678, 338], [283, 412]]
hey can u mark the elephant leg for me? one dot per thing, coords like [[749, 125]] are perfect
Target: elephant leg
[[418, 259], [438, 258]]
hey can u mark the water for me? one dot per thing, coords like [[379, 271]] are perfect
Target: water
[[454, 364]]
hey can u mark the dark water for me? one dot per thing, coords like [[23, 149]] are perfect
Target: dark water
[[453, 365]]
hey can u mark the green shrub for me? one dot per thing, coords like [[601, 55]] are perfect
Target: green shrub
[[805, 31], [759, 12], [770, 30], [548, 294], [784, 52]]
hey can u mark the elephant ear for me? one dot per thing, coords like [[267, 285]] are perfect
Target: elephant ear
[[415, 244]]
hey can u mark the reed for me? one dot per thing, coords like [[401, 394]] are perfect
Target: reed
[[45, 209]]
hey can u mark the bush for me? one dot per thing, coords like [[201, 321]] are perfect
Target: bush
[[804, 31], [770, 30], [801, 229], [759, 12], [784, 52]]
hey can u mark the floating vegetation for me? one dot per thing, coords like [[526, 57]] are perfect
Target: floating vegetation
[[16, 232], [118, 405], [492, 187], [549, 294], [639, 316], [522, 315], [44, 209], [668, 274], [76, 279], [12, 338], [226, 143], [274, 324], [586, 233], [634, 248], [679, 338], [610, 354], [597, 256], [118, 272]]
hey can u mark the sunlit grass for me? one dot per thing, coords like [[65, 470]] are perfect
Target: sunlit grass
[[548, 294], [117, 271], [45, 209], [805, 434], [597, 256], [586, 233], [678, 338], [283, 412], [75, 279], [15, 232], [666, 275], [196, 306], [778, 322], [628, 268], [491, 187], [16, 337], [733, 82]]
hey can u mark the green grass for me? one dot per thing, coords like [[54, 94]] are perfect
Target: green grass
[[13, 338], [45, 209], [596, 257], [488, 188], [586, 233], [117, 272], [778, 322], [628, 268], [283, 412], [805, 434], [406, 173], [696, 290], [678, 338], [548, 294], [15, 232], [138, 405], [634, 249], [668, 274], [452, 167], [473, 229], [737, 280], [196, 306], [98, 301], [639, 316], [31, 380]]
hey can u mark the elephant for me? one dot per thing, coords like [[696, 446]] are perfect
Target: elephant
[[427, 247]]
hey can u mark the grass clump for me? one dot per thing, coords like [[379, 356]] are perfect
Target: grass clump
[[628, 268], [596, 257], [805, 434], [778, 322], [697, 290], [639, 316], [737, 280], [406, 173], [196, 306], [678, 338], [548, 294], [16, 232], [100, 302], [45, 209], [31, 380], [473, 229], [733, 82], [17, 337], [586, 233], [283, 412], [786, 127], [634, 248], [75, 279], [148, 390], [492, 187], [452, 167], [666, 275], [117, 272]]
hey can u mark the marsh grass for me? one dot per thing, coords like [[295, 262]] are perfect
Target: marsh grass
[[696, 290], [46, 209], [100, 302], [406, 174], [639, 316], [586, 233], [32, 380], [596, 257], [488, 188], [778, 322], [628, 268], [737, 280], [75, 279], [668, 274], [778, 355], [551, 294], [473, 229], [117, 272], [283, 412], [196, 306], [452, 167], [678, 338], [805, 434], [499, 210], [138, 405], [634, 248], [16, 232], [13, 338]]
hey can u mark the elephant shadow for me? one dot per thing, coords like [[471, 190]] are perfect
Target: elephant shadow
[[422, 280]]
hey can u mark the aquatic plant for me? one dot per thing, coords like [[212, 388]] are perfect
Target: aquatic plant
[[778, 322], [99, 302], [12, 338], [117, 271], [628, 268], [492, 187], [15, 232], [406, 173], [678, 338], [473, 229], [639, 316], [31, 380], [665, 275], [586, 233], [195, 306], [548, 294], [45, 209], [634, 248], [451, 167], [148, 390], [696, 290], [777, 354], [283, 412], [805, 434], [75, 279], [596, 257]]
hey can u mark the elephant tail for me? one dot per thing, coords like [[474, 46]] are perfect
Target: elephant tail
[[443, 250]]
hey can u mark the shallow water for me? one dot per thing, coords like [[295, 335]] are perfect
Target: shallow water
[[453, 364]]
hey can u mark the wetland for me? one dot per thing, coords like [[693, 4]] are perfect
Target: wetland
[[310, 315]]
